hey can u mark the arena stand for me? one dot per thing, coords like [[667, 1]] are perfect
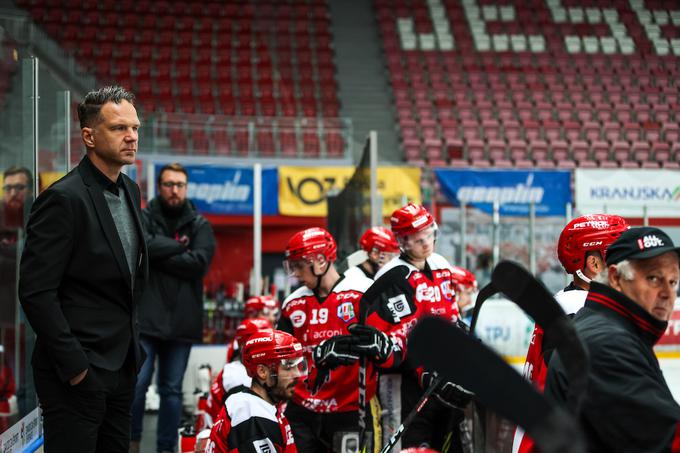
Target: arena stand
[[218, 78], [534, 84]]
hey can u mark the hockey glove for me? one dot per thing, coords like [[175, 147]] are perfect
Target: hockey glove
[[448, 393], [336, 351], [372, 343]]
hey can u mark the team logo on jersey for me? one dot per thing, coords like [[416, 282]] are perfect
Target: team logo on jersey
[[264, 446], [346, 311], [447, 290], [298, 318], [398, 307]]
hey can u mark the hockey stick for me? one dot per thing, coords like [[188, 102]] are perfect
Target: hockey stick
[[438, 345], [484, 293], [534, 298], [436, 380]]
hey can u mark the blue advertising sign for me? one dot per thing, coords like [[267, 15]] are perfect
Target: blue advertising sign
[[229, 190], [515, 190]]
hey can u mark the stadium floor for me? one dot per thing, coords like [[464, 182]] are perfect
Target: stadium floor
[[148, 444]]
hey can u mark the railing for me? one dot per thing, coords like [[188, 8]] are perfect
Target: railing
[[229, 136], [19, 26]]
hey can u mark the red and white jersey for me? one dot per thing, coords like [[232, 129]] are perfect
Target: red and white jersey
[[312, 320], [248, 423], [571, 299], [402, 294], [233, 375]]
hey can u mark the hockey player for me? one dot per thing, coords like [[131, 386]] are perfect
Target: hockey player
[[380, 247], [266, 307], [234, 373], [465, 285], [251, 419], [581, 251], [417, 284], [324, 410]]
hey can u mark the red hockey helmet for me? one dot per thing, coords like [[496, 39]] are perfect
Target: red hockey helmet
[[256, 305], [463, 278], [419, 450], [273, 348], [310, 243], [410, 219], [379, 238], [248, 327], [587, 233]]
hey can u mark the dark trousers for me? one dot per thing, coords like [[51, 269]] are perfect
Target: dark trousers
[[91, 417], [336, 432]]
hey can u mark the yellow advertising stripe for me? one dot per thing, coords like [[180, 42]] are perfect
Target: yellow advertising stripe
[[302, 190], [519, 360]]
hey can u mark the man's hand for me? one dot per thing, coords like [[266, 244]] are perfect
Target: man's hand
[[372, 343], [336, 351], [78, 378], [449, 393]]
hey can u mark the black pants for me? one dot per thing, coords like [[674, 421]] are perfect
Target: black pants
[[91, 417], [324, 432], [435, 426]]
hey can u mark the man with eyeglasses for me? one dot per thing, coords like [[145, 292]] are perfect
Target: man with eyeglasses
[[16, 198], [181, 245]]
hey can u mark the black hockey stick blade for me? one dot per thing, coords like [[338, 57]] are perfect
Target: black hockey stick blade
[[526, 291], [488, 291], [534, 298], [440, 346]]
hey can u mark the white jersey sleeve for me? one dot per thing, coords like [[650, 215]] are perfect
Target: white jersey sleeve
[[571, 301], [234, 374]]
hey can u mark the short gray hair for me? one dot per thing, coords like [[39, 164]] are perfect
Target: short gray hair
[[625, 268]]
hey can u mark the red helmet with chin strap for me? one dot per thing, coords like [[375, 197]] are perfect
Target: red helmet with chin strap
[[310, 243], [379, 238], [587, 233], [271, 348], [410, 219], [248, 327]]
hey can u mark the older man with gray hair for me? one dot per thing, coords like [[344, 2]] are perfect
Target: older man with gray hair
[[628, 406]]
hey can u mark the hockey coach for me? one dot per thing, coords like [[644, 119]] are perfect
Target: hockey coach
[[628, 405]]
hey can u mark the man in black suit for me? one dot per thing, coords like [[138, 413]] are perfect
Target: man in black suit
[[81, 274]]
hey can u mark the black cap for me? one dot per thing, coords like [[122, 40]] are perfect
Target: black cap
[[638, 244]]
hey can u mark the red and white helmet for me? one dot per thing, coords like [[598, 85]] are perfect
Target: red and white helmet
[[463, 279], [379, 238], [410, 219], [311, 242], [273, 348], [257, 305], [585, 234], [248, 327]]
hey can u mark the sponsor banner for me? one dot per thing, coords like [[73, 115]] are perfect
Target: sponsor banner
[[627, 192], [22, 434], [515, 190], [302, 190], [229, 190]]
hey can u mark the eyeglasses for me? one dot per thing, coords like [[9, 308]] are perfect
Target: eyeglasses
[[15, 187], [170, 184]]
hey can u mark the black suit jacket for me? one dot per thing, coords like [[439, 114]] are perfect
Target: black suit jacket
[[75, 284]]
